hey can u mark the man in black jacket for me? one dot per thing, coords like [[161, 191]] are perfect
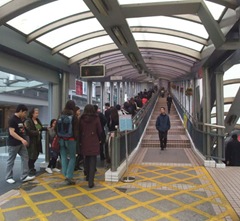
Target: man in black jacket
[[163, 125], [233, 152]]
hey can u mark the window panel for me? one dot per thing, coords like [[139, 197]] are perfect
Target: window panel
[[63, 34], [168, 39], [86, 45], [3, 2], [36, 18], [170, 23], [215, 9], [232, 73]]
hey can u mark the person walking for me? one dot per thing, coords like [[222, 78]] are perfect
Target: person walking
[[163, 125], [53, 153], [79, 156], [233, 152], [34, 131], [90, 131], [17, 144], [67, 134], [169, 103]]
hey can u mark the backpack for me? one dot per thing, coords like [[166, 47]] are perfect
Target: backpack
[[64, 126]]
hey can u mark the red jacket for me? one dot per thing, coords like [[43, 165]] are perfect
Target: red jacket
[[90, 130]]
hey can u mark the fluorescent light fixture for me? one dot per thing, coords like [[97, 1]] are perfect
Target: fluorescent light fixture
[[132, 58], [119, 35], [101, 7]]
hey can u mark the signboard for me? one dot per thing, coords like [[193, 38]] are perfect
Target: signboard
[[116, 78], [125, 122], [92, 71], [78, 87]]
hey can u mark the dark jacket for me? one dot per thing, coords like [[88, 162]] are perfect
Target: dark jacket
[[35, 138], [90, 130], [233, 153], [163, 123]]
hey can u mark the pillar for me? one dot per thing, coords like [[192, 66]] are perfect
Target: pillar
[[206, 113], [89, 92], [220, 114], [111, 94]]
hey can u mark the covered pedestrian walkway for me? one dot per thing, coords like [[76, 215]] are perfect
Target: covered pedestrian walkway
[[169, 185]]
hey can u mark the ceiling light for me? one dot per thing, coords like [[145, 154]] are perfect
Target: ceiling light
[[101, 7], [119, 35]]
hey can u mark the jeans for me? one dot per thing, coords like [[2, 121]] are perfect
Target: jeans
[[68, 150], [21, 150], [163, 139], [90, 164]]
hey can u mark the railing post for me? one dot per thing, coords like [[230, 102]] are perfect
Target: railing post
[[114, 142]]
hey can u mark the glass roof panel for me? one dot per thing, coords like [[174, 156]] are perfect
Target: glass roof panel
[[215, 9], [86, 45], [169, 39], [170, 23], [3, 2], [36, 18], [232, 73], [70, 31]]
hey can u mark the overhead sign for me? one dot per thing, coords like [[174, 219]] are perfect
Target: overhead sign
[[116, 78]]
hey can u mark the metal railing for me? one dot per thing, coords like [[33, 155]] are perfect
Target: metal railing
[[198, 135], [117, 142]]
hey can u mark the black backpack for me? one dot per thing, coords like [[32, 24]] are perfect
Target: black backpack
[[65, 126]]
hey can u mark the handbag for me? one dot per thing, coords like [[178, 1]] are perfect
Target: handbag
[[55, 143]]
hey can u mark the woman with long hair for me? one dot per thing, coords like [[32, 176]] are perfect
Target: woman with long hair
[[34, 131], [90, 137], [68, 145]]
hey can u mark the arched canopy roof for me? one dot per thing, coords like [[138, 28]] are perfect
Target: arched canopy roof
[[136, 39]]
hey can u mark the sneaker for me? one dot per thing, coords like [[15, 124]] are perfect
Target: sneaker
[[10, 181], [28, 178], [56, 170], [70, 181], [48, 170]]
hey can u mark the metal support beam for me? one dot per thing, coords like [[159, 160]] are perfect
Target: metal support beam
[[206, 113], [111, 94], [220, 114], [89, 92], [102, 89]]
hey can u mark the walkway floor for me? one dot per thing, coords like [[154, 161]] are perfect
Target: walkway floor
[[169, 185]]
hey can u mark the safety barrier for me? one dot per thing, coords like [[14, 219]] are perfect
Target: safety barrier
[[198, 136], [117, 141]]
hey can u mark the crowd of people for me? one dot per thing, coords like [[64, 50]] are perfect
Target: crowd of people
[[84, 142]]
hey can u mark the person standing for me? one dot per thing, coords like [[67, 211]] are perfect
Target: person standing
[[90, 131], [233, 152], [169, 103], [34, 131], [67, 141], [17, 144], [163, 125], [103, 122], [52, 152], [79, 157]]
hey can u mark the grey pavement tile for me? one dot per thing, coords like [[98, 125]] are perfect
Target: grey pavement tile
[[144, 196], [164, 205], [104, 194], [149, 175], [51, 207], [19, 214], [79, 200], [93, 210], [180, 176], [33, 187], [164, 192], [195, 181], [189, 215], [112, 218], [186, 198], [42, 197], [164, 171], [165, 180], [207, 208], [120, 203], [62, 217], [140, 214], [71, 190], [14, 202]]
